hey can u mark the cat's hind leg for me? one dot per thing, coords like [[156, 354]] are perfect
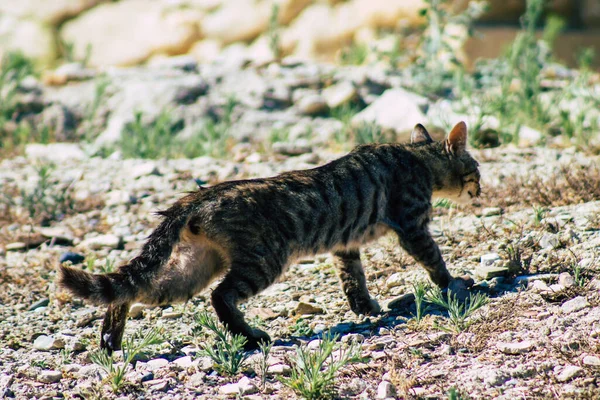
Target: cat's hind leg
[[113, 327], [243, 281], [354, 282]]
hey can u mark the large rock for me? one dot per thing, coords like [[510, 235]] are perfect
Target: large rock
[[128, 32], [55, 152], [321, 29], [397, 110], [150, 94], [34, 39], [244, 20], [51, 12]]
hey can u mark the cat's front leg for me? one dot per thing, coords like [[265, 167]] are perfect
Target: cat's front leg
[[354, 283], [417, 241]]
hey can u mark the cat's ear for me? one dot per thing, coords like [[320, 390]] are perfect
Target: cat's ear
[[457, 139], [420, 134]]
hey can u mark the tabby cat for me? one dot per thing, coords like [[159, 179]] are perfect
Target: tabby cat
[[251, 230]]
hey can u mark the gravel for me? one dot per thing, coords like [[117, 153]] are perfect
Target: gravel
[[538, 337]]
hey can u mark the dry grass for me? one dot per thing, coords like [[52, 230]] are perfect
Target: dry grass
[[570, 185]]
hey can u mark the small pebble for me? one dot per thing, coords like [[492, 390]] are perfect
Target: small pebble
[[515, 348], [568, 373], [574, 305], [50, 376], [385, 389], [592, 360]]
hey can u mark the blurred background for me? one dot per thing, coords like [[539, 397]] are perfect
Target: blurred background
[[129, 32]]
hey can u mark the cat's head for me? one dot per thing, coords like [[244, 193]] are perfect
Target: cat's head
[[457, 172]]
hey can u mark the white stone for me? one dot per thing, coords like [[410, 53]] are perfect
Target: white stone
[[279, 369], [396, 279], [311, 104], [55, 152], [489, 259], [136, 310], [143, 169], [529, 136], [44, 342], [396, 109], [574, 305], [243, 386], [565, 279], [515, 348], [156, 364], [569, 372], [549, 241], [592, 360], [101, 241], [339, 94], [385, 390], [184, 362], [50, 376], [491, 211]]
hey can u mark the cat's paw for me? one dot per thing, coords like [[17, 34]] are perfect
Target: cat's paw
[[257, 337], [370, 307], [460, 286]]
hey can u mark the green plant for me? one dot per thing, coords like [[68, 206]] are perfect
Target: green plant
[[14, 66], [273, 32], [131, 348], [538, 215], [154, 140], [279, 135], [301, 328], [453, 394], [263, 365], [45, 202], [442, 203], [90, 262], [458, 311], [345, 112], [108, 266], [363, 133], [435, 63], [39, 363], [66, 356], [355, 54], [214, 138], [577, 276], [227, 352], [313, 371], [420, 290]]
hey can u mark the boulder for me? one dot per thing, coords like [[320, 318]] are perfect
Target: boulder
[[50, 12], [34, 39], [322, 30], [129, 32], [397, 110], [244, 20]]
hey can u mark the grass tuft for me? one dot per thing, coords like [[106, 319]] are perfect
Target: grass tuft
[[131, 348], [459, 312], [313, 371], [227, 351]]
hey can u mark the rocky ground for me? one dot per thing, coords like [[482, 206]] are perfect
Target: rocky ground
[[538, 337], [531, 242]]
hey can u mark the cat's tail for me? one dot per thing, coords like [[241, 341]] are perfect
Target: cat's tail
[[134, 278]]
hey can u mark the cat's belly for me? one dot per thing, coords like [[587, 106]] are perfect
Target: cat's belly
[[360, 238]]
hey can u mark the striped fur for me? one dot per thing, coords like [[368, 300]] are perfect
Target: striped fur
[[251, 230]]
